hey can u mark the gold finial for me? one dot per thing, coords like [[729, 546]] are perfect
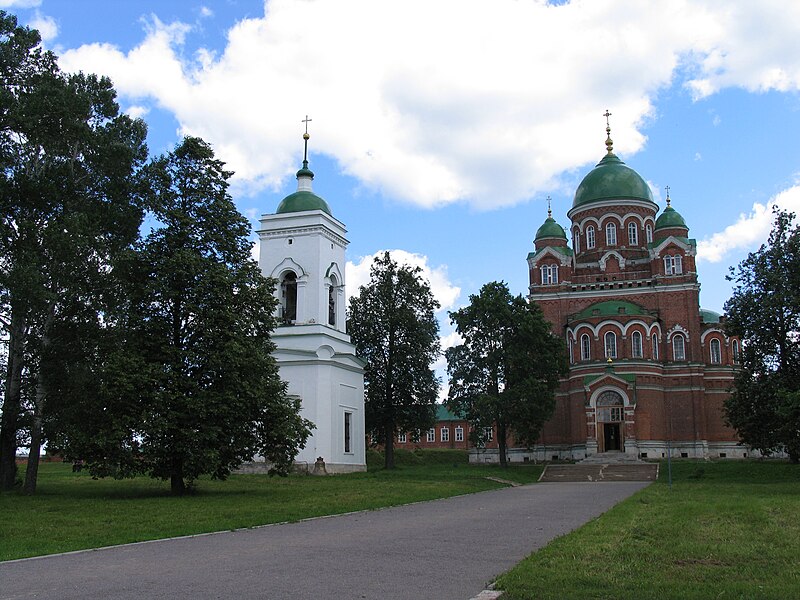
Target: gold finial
[[549, 212], [666, 188], [305, 138], [609, 142], [609, 361]]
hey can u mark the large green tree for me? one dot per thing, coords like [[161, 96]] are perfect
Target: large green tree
[[194, 389], [392, 324], [68, 207], [764, 311], [505, 372]]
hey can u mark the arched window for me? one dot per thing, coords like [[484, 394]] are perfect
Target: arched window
[[589, 237], [648, 232], [636, 345], [633, 234], [332, 291], [611, 344], [289, 298], [586, 347], [673, 265], [570, 346], [576, 240], [549, 274], [611, 234], [736, 351], [716, 352], [678, 347], [655, 347]]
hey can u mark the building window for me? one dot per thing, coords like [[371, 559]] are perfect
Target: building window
[[415, 436], [633, 234], [611, 344], [735, 351], [648, 232], [678, 347], [348, 425], [402, 438], [459, 434], [332, 303], [549, 274], [576, 240], [445, 434], [431, 435], [636, 345], [673, 265], [488, 434], [586, 347], [289, 298], [589, 237], [611, 234], [655, 347], [716, 352]]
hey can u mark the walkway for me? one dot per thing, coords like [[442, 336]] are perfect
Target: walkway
[[447, 549]]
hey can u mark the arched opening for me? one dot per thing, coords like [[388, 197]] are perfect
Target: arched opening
[[611, 344], [288, 298], [586, 347], [610, 421], [636, 345], [716, 352], [332, 291], [678, 347]]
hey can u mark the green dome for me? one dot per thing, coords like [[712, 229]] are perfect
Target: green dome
[[709, 316], [611, 179], [550, 229], [301, 201], [670, 218]]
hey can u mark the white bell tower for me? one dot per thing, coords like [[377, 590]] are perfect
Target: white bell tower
[[303, 249]]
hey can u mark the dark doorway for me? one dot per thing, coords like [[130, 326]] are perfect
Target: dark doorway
[[611, 437]]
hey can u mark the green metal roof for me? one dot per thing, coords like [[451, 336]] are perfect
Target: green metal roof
[[670, 218], [709, 316], [301, 201], [611, 308], [629, 377], [444, 414], [550, 229], [611, 179], [566, 251]]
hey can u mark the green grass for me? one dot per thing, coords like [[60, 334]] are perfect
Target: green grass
[[73, 511], [726, 530]]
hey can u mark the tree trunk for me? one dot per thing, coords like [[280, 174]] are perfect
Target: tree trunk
[[177, 485], [32, 471], [12, 402], [501, 443], [388, 448]]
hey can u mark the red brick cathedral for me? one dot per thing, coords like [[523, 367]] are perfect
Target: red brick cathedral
[[649, 369]]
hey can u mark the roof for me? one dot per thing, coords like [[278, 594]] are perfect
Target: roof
[[550, 229], [611, 179], [670, 218], [445, 414], [301, 201], [610, 308], [709, 316]]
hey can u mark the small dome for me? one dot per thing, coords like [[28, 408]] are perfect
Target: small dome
[[301, 201], [550, 229], [670, 219], [611, 179], [709, 316]]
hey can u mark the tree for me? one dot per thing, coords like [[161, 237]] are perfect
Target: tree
[[392, 325], [68, 206], [764, 311], [506, 370], [195, 389]]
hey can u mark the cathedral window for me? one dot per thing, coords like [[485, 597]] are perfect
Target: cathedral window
[[586, 347], [636, 345], [332, 302], [678, 347], [289, 298], [576, 240], [633, 234], [716, 352], [655, 347], [611, 344], [735, 351], [673, 265], [590, 237], [648, 232], [611, 234], [549, 274]]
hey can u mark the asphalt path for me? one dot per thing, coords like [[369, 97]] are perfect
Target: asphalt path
[[443, 549]]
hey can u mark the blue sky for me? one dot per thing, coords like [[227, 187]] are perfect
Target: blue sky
[[440, 128]]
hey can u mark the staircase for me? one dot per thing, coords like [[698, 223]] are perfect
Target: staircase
[[608, 466]]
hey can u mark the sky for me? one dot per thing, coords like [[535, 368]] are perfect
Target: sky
[[440, 128]]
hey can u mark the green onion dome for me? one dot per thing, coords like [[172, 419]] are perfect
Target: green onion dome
[[550, 229], [670, 219], [611, 179]]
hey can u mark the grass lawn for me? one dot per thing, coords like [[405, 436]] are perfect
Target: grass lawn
[[726, 530], [72, 511]]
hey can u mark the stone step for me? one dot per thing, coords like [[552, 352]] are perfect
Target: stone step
[[597, 472]]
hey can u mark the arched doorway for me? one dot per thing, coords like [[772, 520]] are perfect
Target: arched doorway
[[610, 422]]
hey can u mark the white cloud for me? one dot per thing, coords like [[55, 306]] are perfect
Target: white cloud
[[438, 102], [137, 111], [750, 230], [357, 274], [19, 3], [47, 26], [206, 12]]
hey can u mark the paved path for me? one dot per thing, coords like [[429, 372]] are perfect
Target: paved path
[[440, 550]]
